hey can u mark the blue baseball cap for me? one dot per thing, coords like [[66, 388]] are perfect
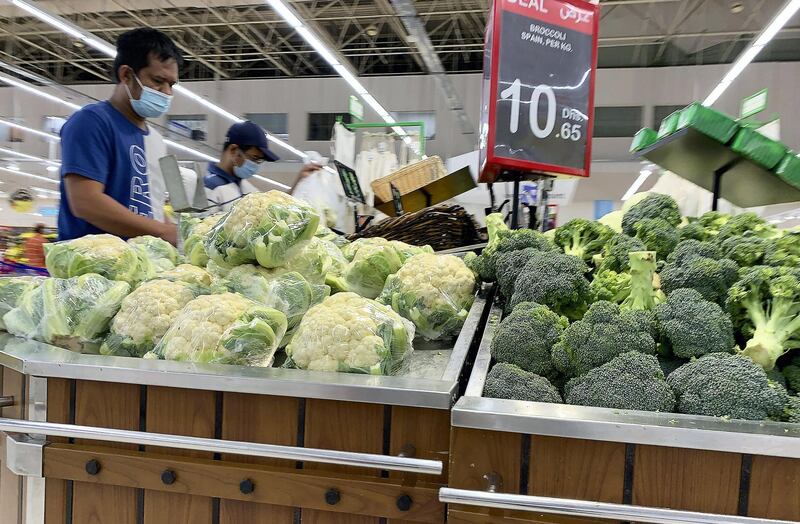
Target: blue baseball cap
[[250, 134]]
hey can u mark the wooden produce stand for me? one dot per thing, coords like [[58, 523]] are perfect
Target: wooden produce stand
[[130, 441], [516, 461]]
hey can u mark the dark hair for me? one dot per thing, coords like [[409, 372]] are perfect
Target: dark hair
[[135, 47]]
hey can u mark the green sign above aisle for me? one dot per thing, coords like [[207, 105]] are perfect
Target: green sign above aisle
[[753, 104]]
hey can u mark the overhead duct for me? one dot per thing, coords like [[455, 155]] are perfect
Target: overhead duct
[[408, 14]]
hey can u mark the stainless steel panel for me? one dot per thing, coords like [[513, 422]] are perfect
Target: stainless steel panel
[[24, 455], [590, 509], [250, 449]]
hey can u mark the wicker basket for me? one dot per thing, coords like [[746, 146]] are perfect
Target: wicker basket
[[409, 178]]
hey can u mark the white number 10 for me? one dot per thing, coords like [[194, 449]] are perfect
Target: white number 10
[[513, 92]]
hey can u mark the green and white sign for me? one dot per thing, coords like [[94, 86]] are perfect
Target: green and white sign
[[754, 104], [356, 108]]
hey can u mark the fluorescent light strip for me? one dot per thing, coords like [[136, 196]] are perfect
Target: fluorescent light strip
[[644, 174], [182, 147], [764, 38], [27, 87], [273, 182], [29, 157], [108, 50], [42, 134], [37, 177]]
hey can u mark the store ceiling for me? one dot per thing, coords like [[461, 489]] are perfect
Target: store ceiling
[[245, 39]]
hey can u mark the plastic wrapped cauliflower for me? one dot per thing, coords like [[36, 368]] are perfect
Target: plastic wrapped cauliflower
[[349, 333], [104, 255], [319, 261], [72, 313], [289, 293], [371, 260], [224, 329], [11, 290], [144, 317], [189, 274], [261, 228], [193, 231], [162, 255], [435, 292], [407, 251]]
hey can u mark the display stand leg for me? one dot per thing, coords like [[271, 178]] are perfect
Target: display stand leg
[[515, 206], [355, 219], [428, 197], [717, 187]]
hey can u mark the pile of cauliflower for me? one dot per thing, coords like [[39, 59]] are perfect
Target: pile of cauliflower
[[262, 276]]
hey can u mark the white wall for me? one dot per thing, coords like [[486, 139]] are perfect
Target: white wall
[[613, 170]]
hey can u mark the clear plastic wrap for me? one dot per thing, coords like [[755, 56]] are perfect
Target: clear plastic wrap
[[193, 231], [72, 313], [371, 261], [289, 293], [326, 233], [223, 329], [105, 255], [162, 255], [11, 290], [261, 228], [349, 333], [319, 261], [407, 251], [435, 292], [191, 275], [145, 315]]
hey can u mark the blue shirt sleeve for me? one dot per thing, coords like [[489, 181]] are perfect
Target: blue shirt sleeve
[[86, 147]]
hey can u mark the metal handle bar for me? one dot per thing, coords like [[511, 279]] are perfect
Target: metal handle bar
[[326, 456], [586, 508], [6, 401]]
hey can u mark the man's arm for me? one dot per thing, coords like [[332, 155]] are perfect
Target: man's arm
[[307, 170], [87, 201]]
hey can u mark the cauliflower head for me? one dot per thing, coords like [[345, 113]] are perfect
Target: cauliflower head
[[434, 292], [105, 255], [224, 329], [73, 313], [260, 228], [11, 290], [318, 260], [407, 251], [161, 253], [350, 333], [371, 260], [144, 317], [194, 231], [189, 274]]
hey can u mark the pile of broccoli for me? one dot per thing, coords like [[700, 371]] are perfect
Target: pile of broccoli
[[651, 311]]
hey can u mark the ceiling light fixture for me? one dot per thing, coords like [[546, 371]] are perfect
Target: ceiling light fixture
[[51, 163], [36, 132], [36, 177], [644, 174], [755, 47]]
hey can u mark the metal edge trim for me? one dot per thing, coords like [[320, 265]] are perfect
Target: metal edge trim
[[464, 340], [477, 378]]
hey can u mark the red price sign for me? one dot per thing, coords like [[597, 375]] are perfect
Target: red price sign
[[538, 93]]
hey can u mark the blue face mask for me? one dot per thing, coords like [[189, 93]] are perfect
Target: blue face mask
[[246, 170], [151, 103]]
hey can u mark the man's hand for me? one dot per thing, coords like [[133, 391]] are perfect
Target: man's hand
[[170, 233]]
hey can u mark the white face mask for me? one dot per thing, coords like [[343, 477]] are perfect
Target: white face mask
[[151, 103]]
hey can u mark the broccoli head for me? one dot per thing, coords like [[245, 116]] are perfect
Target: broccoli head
[[746, 250], [508, 267], [526, 338], [692, 326], [508, 240], [615, 253], [629, 381], [582, 238], [791, 412], [654, 205], [725, 385], [784, 251], [791, 373], [644, 295], [610, 286], [765, 308], [687, 249], [748, 222], [658, 235], [512, 382], [669, 363], [692, 230], [555, 280], [710, 277], [602, 334]]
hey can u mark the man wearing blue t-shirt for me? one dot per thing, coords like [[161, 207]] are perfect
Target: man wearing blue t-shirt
[[104, 176]]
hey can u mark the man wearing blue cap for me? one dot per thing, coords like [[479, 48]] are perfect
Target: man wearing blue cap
[[244, 150]]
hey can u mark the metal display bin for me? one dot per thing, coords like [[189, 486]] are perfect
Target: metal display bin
[[520, 462], [114, 440]]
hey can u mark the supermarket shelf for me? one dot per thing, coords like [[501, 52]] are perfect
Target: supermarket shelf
[[697, 158]]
